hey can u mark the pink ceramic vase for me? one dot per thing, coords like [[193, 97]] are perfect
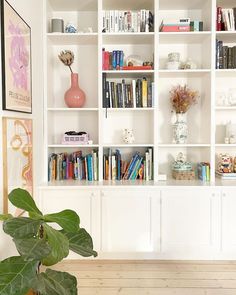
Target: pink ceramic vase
[[74, 96]]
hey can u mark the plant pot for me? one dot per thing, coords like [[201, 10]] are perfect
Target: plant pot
[[31, 293], [74, 96], [180, 129]]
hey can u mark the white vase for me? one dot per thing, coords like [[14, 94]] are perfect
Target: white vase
[[180, 129]]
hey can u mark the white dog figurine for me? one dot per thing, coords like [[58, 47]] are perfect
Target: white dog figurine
[[128, 136]]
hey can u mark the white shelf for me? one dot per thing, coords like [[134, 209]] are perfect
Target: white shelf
[[73, 39], [220, 108], [129, 72], [225, 145], [197, 71], [184, 37], [176, 145], [72, 109], [73, 146], [128, 38]]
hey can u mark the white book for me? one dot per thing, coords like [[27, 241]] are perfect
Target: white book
[[113, 167], [120, 20], [108, 21], [103, 21], [147, 165], [150, 163], [94, 157], [147, 21], [116, 28], [153, 94], [112, 21], [134, 92], [232, 19], [109, 164], [139, 22]]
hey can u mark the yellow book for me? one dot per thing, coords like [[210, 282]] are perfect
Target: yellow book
[[144, 93]]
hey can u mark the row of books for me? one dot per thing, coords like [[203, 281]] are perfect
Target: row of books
[[226, 19], [225, 56], [116, 21], [183, 25], [135, 94], [112, 60], [139, 167], [65, 166], [203, 171]]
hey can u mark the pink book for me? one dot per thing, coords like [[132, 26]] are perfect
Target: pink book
[[175, 28]]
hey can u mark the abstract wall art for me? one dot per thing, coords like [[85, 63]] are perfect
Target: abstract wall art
[[16, 61], [17, 158]]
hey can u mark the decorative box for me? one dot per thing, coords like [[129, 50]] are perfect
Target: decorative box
[[183, 175], [77, 139]]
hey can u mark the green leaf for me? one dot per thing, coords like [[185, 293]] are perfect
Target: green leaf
[[59, 245], [4, 217], [55, 283], [81, 243], [22, 227], [22, 199], [67, 219], [33, 248], [16, 275]]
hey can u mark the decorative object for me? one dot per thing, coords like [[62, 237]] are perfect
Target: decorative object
[[74, 96], [40, 244], [182, 98], [181, 169], [17, 157], [128, 136], [72, 137], [71, 28], [224, 163], [232, 96], [57, 25], [231, 132], [189, 65], [134, 60], [173, 62], [16, 61]]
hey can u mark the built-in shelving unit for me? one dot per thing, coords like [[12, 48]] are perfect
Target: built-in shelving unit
[[152, 126]]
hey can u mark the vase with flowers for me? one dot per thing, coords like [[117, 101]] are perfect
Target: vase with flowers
[[182, 98], [74, 96]]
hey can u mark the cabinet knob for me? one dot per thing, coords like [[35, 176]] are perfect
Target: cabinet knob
[[92, 194], [102, 194], [213, 195], [224, 195]]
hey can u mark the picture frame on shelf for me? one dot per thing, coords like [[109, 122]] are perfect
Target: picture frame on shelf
[[17, 135], [16, 61]]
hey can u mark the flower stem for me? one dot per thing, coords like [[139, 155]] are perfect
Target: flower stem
[[70, 69]]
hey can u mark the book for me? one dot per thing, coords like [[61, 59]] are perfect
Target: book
[[144, 93]]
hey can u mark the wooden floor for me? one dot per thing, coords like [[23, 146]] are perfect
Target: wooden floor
[[153, 277]]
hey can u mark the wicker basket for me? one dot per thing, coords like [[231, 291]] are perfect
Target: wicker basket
[[183, 175]]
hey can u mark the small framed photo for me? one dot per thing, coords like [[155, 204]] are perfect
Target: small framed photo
[[17, 141], [16, 61]]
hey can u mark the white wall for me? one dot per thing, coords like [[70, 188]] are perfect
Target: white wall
[[32, 13]]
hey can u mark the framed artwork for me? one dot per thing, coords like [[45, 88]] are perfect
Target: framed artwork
[[17, 158], [16, 61]]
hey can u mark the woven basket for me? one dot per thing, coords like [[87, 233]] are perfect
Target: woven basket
[[183, 175]]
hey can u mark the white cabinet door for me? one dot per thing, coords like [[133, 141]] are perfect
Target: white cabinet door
[[228, 226], [84, 201], [188, 222], [129, 221]]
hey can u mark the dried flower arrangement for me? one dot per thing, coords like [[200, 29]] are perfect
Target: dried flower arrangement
[[182, 98], [67, 58]]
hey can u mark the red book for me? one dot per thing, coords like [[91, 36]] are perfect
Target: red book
[[71, 169], [136, 68], [175, 28], [219, 19]]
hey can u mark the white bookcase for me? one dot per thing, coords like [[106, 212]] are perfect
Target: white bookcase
[[152, 126]]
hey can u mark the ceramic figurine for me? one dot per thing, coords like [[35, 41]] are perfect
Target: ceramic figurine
[[71, 28], [225, 163], [180, 163], [128, 136], [190, 65]]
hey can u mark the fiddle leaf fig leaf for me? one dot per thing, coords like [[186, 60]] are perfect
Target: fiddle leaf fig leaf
[[55, 283], [16, 275], [4, 217], [22, 199], [33, 248], [67, 219], [81, 243], [21, 227], [59, 245]]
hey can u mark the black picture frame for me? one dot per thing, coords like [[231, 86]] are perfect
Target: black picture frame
[[16, 61]]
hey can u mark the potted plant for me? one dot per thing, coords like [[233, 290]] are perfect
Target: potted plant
[[40, 244], [182, 98]]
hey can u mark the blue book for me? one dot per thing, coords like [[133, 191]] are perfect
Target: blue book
[[89, 167], [121, 59], [118, 161], [132, 165], [114, 59]]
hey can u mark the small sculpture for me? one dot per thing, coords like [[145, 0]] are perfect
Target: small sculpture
[[128, 136], [225, 163], [71, 28], [180, 163]]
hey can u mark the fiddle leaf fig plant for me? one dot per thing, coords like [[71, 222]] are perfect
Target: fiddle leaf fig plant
[[38, 243]]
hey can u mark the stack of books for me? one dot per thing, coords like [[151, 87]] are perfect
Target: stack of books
[[139, 167], [116, 21], [203, 169], [225, 56], [182, 26], [226, 176], [135, 94], [75, 166], [226, 19]]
